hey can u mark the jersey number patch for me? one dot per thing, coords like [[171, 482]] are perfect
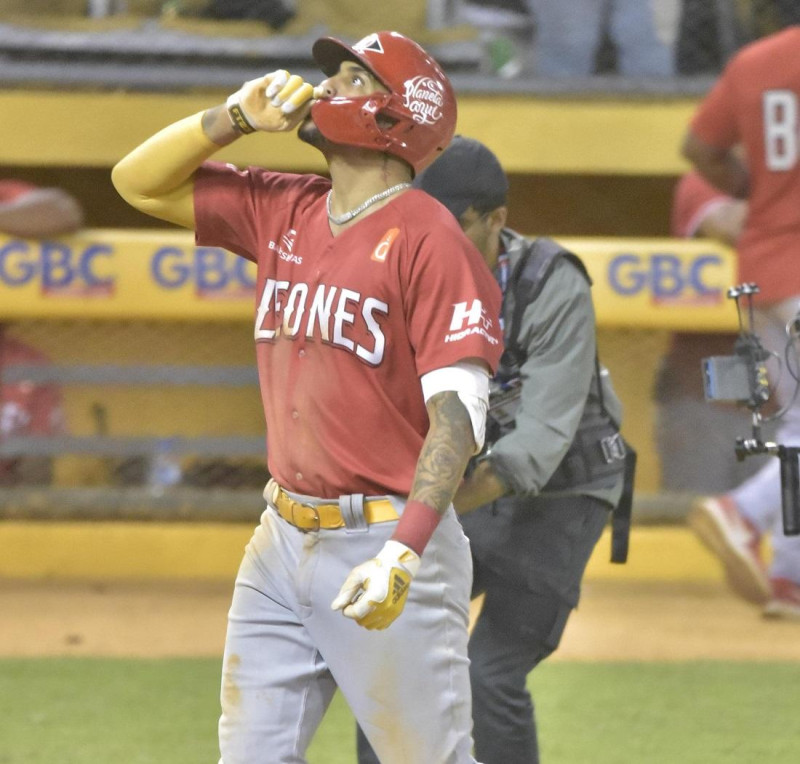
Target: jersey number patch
[[781, 129]]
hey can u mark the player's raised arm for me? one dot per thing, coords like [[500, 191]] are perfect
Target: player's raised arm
[[157, 177]]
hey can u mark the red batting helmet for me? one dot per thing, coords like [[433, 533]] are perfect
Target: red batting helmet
[[419, 109]]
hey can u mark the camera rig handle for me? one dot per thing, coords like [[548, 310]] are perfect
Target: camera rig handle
[[749, 347], [790, 476]]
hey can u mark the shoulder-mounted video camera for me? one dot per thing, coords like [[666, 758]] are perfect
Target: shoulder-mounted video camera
[[742, 378]]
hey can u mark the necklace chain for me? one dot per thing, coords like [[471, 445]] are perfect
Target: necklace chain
[[346, 217]]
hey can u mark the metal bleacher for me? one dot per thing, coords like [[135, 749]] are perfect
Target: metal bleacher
[[144, 46], [168, 46]]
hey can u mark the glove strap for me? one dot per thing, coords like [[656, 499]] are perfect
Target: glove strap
[[238, 119], [416, 525]]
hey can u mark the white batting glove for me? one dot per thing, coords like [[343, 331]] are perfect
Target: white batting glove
[[375, 592], [275, 102]]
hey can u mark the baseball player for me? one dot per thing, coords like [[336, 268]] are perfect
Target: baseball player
[[744, 138], [376, 333]]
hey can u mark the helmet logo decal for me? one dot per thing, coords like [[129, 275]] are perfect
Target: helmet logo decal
[[423, 97], [371, 43]]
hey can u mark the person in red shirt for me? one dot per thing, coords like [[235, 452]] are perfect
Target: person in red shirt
[[376, 333], [695, 438], [745, 140], [28, 407]]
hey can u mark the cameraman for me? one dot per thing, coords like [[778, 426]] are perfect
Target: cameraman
[[535, 506], [755, 106]]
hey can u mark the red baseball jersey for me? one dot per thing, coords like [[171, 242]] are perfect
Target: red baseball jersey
[[756, 103], [692, 201], [346, 325], [26, 408]]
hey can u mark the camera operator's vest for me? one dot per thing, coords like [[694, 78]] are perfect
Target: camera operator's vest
[[598, 449]]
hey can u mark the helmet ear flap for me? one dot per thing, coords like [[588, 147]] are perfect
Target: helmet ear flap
[[414, 121], [352, 121]]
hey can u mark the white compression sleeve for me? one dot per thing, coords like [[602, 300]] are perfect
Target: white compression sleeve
[[471, 381]]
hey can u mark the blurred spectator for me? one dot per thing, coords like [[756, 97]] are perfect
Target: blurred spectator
[[569, 35], [26, 407], [273, 12], [696, 438], [32, 212], [506, 29], [699, 46], [709, 33], [755, 104]]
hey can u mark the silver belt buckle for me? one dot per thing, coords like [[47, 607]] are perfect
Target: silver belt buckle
[[613, 448]]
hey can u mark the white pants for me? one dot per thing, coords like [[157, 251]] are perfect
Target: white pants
[[286, 651]]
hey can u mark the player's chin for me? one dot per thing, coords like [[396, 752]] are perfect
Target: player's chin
[[309, 133]]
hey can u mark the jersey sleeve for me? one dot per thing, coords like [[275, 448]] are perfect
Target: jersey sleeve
[[693, 199], [224, 209], [453, 302], [235, 207], [715, 121]]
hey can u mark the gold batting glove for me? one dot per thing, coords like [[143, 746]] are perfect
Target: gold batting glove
[[276, 102], [375, 592]]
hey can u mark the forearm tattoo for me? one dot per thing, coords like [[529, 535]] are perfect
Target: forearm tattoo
[[445, 453]]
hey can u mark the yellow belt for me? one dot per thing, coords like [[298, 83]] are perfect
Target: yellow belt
[[308, 517]]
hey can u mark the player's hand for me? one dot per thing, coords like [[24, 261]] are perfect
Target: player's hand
[[276, 102], [375, 592]]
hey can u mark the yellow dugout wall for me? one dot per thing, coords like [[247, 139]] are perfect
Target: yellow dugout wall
[[559, 135]]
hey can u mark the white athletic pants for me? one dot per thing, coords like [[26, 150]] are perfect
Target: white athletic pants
[[286, 651]]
